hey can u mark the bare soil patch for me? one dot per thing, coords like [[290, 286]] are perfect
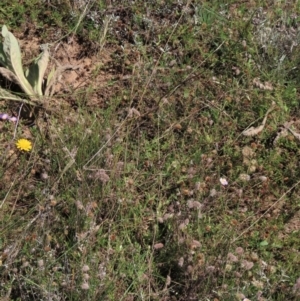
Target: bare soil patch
[[90, 70]]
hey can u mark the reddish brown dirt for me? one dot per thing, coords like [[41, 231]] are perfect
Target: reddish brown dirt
[[90, 68]]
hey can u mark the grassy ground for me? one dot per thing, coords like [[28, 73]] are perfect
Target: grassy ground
[[145, 180]]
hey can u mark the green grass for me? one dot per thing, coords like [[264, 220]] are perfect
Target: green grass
[[120, 197]]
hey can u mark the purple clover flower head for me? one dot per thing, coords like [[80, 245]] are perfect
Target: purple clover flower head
[[13, 119], [4, 116]]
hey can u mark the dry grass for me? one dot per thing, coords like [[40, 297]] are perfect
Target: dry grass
[[141, 184]]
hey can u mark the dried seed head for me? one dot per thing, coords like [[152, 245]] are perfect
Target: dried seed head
[[158, 246], [160, 220], [264, 86], [197, 205], [85, 286], [102, 176], [44, 176], [296, 287], [168, 281], [213, 192], [195, 244], [120, 166], [191, 172], [258, 284], [168, 216], [190, 203], [232, 258], [181, 261], [88, 131], [40, 263], [133, 112], [210, 268], [184, 224], [79, 205], [197, 186], [247, 265], [85, 268], [248, 152], [239, 251], [244, 177], [165, 101], [240, 296], [272, 270], [25, 264], [254, 256], [263, 178], [190, 269]]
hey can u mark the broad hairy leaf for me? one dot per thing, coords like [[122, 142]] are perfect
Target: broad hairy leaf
[[43, 64], [14, 62], [32, 74], [2, 55], [9, 75], [4, 94], [50, 82], [31, 81], [36, 71]]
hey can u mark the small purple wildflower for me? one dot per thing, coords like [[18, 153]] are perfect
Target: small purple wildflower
[[4, 116]]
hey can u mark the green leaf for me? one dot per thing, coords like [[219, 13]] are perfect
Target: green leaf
[[42, 64], [35, 73], [2, 56], [12, 51], [50, 81], [4, 94], [263, 243], [32, 74]]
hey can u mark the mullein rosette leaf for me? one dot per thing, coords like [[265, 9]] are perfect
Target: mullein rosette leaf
[[35, 73], [13, 60], [31, 80]]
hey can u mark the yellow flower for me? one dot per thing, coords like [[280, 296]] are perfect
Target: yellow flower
[[24, 145]]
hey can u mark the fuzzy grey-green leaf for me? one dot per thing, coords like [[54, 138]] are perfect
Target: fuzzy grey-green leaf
[[42, 66], [12, 51], [4, 31], [32, 74], [35, 73], [4, 94]]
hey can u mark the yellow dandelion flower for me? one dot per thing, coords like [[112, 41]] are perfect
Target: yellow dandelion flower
[[24, 145]]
